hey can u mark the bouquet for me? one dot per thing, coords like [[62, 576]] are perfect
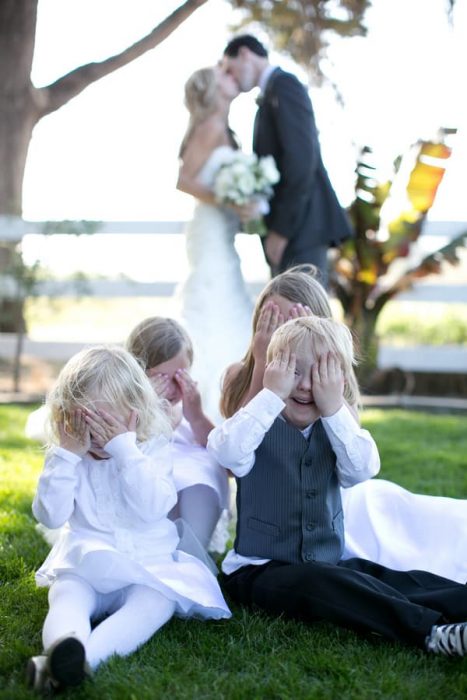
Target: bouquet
[[245, 178]]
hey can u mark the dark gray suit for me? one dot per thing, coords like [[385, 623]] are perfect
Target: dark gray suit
[[304, 208]]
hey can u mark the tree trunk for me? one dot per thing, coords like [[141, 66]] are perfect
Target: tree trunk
[[363, 328], [22, 105], [18, 110]]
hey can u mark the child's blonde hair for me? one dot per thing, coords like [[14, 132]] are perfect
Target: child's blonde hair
[[319, 335], [110, 374], [157, 339], [299, 285]]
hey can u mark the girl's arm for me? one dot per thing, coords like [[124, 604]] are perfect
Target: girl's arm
[[145, 475], [234, 442], [192, 407], [145, 471], [207, 136], [54, 500], [355, 450]]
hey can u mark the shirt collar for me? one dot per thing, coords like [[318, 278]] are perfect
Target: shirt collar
[[264, 77], [306, 432]]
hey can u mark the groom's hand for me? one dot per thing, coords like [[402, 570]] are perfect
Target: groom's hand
[[274, 246]]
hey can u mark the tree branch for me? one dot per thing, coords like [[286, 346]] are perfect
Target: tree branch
[[54, 96]]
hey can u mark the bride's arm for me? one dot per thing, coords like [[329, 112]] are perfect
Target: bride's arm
[[206, 137]]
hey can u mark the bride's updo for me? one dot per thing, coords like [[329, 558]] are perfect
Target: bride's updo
[[201, 93]]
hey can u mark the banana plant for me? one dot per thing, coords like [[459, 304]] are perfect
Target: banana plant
[[388, 217]]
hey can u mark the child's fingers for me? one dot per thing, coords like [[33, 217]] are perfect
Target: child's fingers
[[264, 316], [185, 382], [292, 361], [323, 367], [133, 421]]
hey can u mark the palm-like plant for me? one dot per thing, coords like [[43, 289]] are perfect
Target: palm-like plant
[[388, 218]]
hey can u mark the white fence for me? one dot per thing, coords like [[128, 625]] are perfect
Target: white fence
[[451, 286]]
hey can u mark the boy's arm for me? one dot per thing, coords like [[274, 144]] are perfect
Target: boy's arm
[[233, 443], [356, 451]]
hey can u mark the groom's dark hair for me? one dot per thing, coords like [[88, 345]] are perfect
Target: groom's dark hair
[[247, 40]]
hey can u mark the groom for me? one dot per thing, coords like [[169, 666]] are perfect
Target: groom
[[305, 218]]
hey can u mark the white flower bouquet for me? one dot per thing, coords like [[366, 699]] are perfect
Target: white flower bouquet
[[245, 178]]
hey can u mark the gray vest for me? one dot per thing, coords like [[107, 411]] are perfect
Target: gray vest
[[289, 506]]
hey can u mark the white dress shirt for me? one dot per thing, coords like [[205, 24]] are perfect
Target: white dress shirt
[[234, 442]]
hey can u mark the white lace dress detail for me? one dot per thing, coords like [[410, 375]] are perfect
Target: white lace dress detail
[[215, 306]]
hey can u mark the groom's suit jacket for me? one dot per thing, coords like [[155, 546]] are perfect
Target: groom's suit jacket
[[304, 207]]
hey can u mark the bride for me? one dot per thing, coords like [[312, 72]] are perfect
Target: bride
[[215, 306]]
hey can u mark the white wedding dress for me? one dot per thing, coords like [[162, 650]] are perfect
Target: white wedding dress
[[215, 306], [389, 525]]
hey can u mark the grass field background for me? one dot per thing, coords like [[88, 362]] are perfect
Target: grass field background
[[250, 656]]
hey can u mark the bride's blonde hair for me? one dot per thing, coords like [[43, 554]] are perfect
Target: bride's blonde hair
[[200, 99]]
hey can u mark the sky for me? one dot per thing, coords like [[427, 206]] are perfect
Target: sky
[[111, 153]]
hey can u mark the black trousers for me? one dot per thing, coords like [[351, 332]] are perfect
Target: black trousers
[[355, 593]]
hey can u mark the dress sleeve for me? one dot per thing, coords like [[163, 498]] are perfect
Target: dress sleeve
[[145, 471], [54, 500]]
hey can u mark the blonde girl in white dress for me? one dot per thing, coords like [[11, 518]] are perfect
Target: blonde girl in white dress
[[108, 475], [215, 304], [165, 351]]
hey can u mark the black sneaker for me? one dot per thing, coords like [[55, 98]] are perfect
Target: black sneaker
[[450, 640], [66, 662]]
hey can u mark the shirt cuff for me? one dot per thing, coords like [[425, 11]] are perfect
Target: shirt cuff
[[342, 423], [265, 407], [122, 445]]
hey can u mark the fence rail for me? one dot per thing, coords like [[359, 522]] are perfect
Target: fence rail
[[449, 287]]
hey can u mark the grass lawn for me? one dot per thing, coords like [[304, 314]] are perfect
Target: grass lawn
[[249, 656]]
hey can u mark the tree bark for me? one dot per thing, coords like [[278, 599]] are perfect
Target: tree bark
[[18, 112], [22, 105]]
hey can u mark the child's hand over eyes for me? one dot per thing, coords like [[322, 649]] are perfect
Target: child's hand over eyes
[[104, 426], [328, 384], [160, 383], [74, 432], [279, 375], [269, 319], [191, 398]]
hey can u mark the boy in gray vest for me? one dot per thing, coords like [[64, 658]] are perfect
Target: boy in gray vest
[[291, 448]]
